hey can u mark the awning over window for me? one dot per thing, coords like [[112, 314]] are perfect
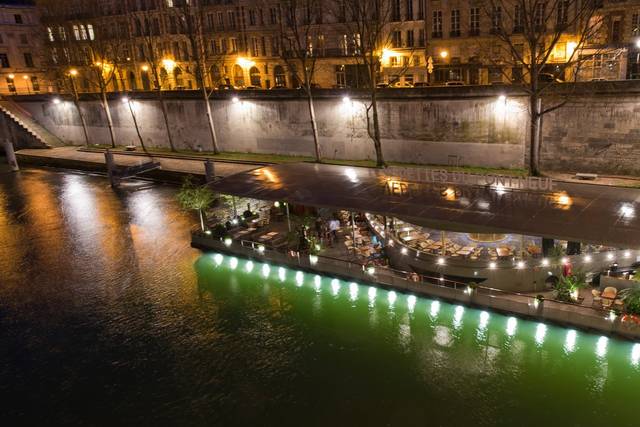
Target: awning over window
[[477, 203]]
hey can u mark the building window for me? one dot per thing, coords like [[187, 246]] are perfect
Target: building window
[[220, 21], [538, 16], [341, 78], [17, 18], [254, 77], [273, 15], [210, 22], [76, 32], [562, 16], [474, 21], [252, 17], [615, 30], [24, 39], [90, 31], [496, 20], [437, 24], [28, 60], [395, 11], [4, 60], [231, 14], [35, 84], [421, 37], [518, 19], [396, 39], [279, 76], [635, 24], [344, 45], [420, 10], [409, 38], [11, 85], [455, 23], [409, 14]]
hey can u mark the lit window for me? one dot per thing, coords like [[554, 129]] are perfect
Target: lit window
[[90, 31]]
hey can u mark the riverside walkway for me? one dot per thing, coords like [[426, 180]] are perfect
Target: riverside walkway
[[73, 158]]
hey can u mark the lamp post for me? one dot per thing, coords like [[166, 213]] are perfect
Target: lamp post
[[73, 73]]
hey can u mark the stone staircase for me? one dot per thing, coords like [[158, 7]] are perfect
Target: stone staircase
[[23, 118]]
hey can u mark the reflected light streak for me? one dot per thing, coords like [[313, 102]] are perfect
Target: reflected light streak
[[435, 309], [353, 291], [266, 270], [411, 303], [282, 275], [512, 325], [218, 258], [457, 316], [391, 297], [601, 346], [335, 287], [249, 266], [570, 341], [299, 278], [484, 320], [317, 281], [233, 263], [541, 332], [635, 355]]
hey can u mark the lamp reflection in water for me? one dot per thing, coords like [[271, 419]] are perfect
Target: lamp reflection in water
[[299, 278], [317, 281], [541, 332], [335, 287], [282, 274], [457, 316], [570, 341], [353, 291], [411, 303], [601, 346], [266, 270], [635, 355], [391, 297], [372, 295], [249, 266], [435, 309], [484, 320], [512, 325], [218, 258]]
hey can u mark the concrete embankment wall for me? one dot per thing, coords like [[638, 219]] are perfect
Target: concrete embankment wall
[[596, 130]]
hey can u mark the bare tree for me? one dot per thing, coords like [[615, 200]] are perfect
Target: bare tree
[[370, 26], [298, 34], [146, 27], [201, 55], [534, 35]]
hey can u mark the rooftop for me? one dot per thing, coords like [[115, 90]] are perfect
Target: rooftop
[[570, 211]]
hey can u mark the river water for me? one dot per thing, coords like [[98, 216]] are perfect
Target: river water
[[107, 316]]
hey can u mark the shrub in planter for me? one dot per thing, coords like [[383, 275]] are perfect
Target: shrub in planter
[[631, 298], [219, 231]]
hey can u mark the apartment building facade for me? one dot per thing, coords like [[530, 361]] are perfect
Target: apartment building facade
[[22, 67]]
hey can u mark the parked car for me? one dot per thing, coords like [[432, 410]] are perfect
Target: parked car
[[421, 84], [382, 85], [548, 78], [226, 86], [454, 83], [404, 84], [252, 88]]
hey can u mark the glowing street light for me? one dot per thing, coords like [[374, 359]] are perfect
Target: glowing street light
[[444, 54], [244, 62], [168, 64], [73, 72], [12, 76], [145, 68]]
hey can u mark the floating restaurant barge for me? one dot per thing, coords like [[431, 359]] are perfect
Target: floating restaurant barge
[[485, 240]]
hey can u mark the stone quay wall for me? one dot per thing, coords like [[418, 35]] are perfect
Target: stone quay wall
[[596, 130]]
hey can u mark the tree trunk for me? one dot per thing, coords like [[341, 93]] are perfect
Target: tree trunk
[[314, 125], [165, 116], [212, 129], [535, 107], [107, 111], [135, 123], [82, 121], [376, 131]]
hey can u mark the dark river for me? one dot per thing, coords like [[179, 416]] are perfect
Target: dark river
[[108, 317]]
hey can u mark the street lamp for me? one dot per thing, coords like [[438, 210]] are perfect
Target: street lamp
[[73, 72], [145, 68], [444, 54]]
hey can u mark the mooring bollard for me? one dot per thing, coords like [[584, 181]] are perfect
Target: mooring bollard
[[209, 171], [111, 166], [11, 155]]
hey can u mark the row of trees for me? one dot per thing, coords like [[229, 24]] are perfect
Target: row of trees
[[103, 52]]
